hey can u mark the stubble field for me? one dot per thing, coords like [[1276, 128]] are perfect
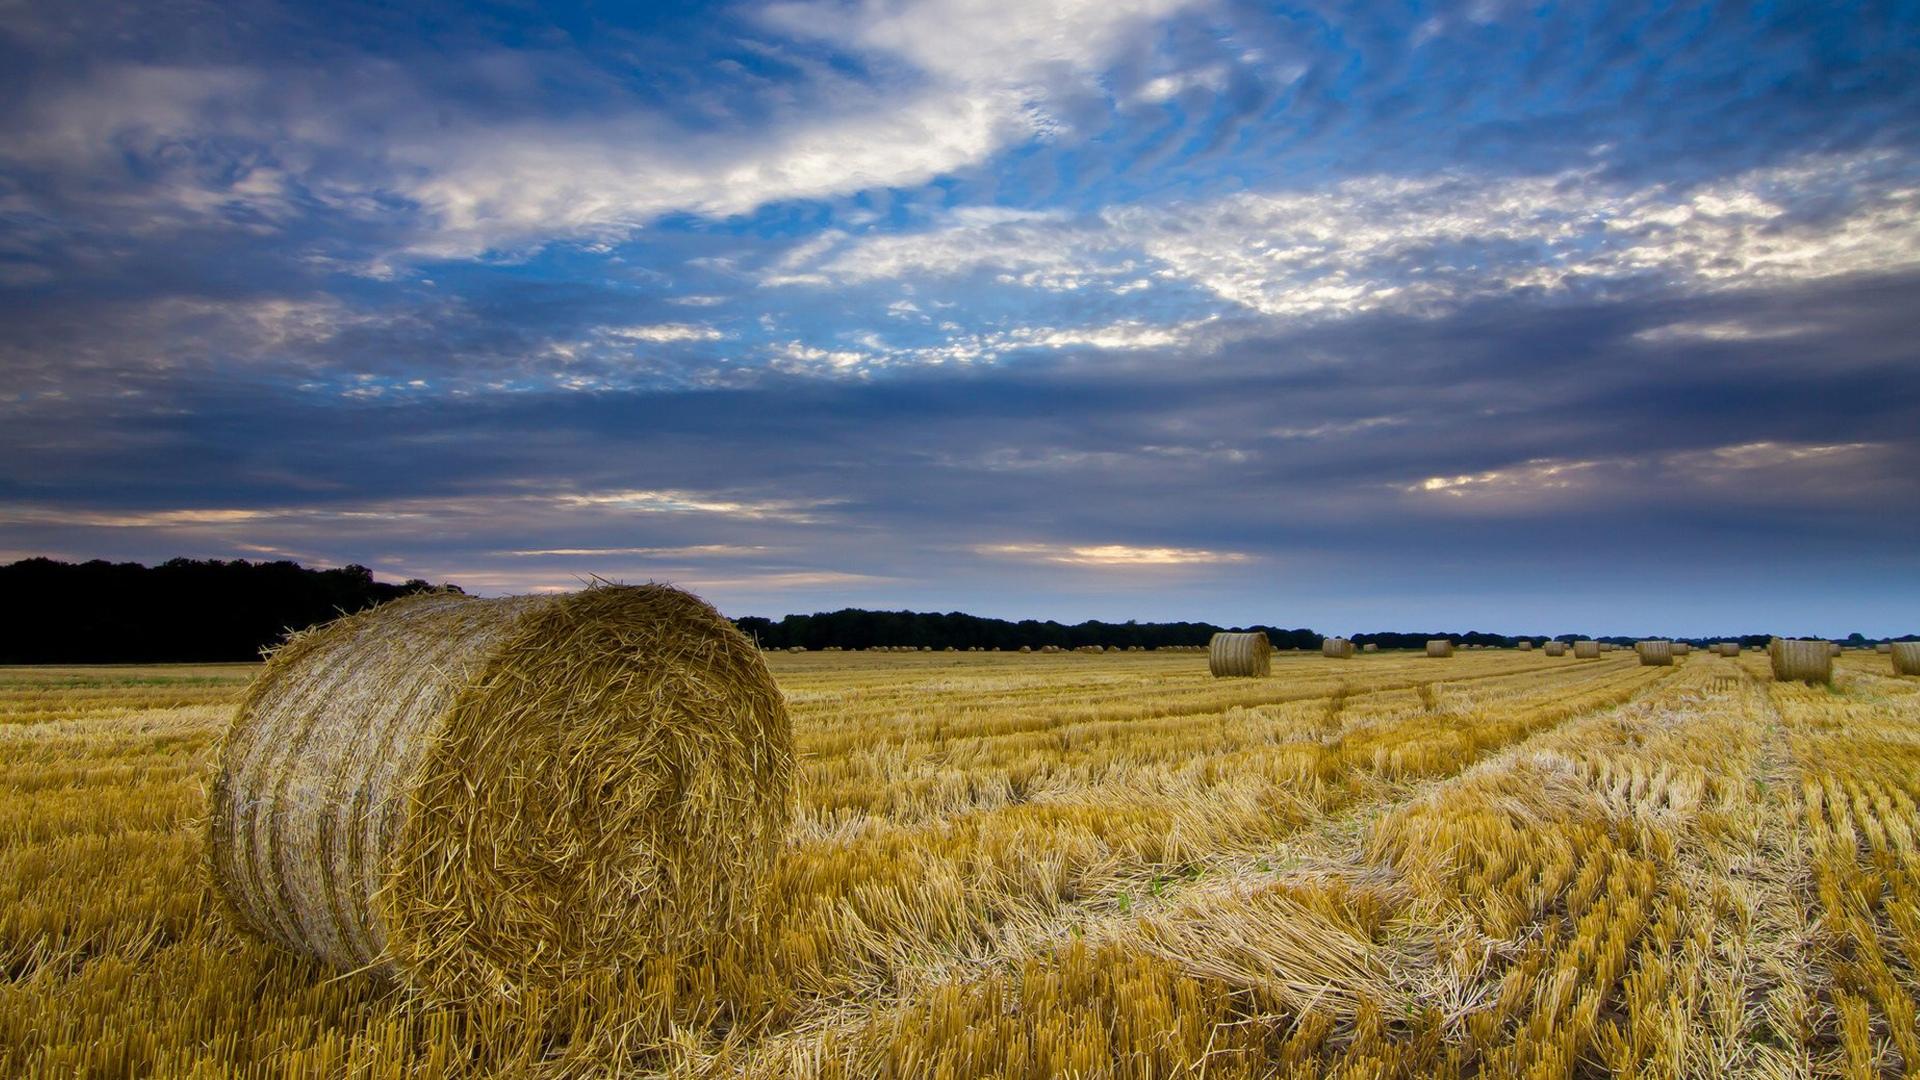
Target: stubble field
[[1498, 864]]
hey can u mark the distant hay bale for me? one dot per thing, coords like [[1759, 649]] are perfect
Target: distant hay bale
[[1370, 647], [797, 648], [1681, 648], [1833, 648], [1026, 648], [1555, 648], [1337, 648], [1906, 657], [1654, 653], [1240, 656], [1525, 646], [1586, 650], [1728, 648], [1883, 648], [489, 798], [1439, 647], [1796, 660]]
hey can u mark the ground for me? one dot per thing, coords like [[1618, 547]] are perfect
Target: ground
[[1495, 864]]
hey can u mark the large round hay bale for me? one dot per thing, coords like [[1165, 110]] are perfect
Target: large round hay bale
[[1239, 656], [1728, 648], [1906, 657], [1883, 648], [1370, 647], [1586, 650], [1801, 660], [487, 797], [1554, 648], [1681, 648], [1833, 648], [1654, 653], [1439, 647], [1337, 648], [1525, 646]]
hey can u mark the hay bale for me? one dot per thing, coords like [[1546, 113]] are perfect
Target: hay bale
[[1906, 657], [1370, 647], [1833, 648], [1681, 648], [1883, 648], [1439, 647], [1728, 648], [796, 648], [1240, 656], [1336, 648], [1654, 653], [494, 797], [1798, 660], [1525, 646], [1555, 648], [1586, 650], [1026, 648]]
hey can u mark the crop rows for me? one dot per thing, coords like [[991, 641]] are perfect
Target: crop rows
[[1499, 864]]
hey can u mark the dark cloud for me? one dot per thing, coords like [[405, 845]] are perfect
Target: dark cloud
[[1381, 314]]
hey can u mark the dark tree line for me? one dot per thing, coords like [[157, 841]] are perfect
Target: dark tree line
[[207, 610], [182, 610], [852, 628]]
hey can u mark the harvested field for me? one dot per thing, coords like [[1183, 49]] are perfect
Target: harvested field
[[1027, 865]]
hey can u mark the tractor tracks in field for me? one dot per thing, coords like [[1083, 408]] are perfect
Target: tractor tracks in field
[[1130, 909]]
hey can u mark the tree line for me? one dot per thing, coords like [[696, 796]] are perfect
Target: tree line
[[186, 610], [853, 628], [182, 610]]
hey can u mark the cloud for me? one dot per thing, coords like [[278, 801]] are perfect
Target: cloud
[[1427, 244], [1762, 470], [686, 551], [1110, 555], [661, 333], [670, 501]]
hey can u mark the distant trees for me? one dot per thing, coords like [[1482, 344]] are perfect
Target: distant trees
[[205, 610], [181, 610], [852, 628]]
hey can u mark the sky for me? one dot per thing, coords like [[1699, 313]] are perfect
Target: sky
[[1539, 318]]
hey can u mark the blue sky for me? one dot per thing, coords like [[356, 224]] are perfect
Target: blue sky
[[1345, 315]]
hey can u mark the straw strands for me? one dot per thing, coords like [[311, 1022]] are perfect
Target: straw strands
[[1240, 656], [1110, 866], [489, 797], [1797, 660]]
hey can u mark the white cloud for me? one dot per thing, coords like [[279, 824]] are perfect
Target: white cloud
[[1528, 478], [676, 501], [1426, 244], [1721, 331], [1109, 555], [1765, 469], [662, 333]]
